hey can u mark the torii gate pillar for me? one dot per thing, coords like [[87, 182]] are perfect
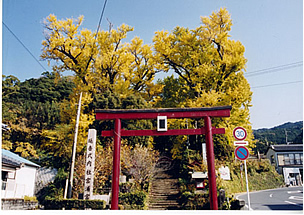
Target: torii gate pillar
[[116, 164], [211, 165], [131, 114]]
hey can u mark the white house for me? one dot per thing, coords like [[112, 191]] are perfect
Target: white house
[[18, 176], [288, 161]]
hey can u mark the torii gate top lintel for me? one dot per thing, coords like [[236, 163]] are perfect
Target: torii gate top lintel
[[111, 114]]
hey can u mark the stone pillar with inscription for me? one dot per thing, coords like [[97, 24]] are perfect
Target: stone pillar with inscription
[[90, 164]]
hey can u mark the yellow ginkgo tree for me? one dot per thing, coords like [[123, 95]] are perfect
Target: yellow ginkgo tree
[[210, 68], [100, 60]]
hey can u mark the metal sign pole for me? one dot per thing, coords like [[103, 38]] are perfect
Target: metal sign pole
[[241, 168], [247, 187]]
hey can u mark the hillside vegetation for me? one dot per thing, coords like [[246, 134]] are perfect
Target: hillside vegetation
[[282, 134], [261, 176]]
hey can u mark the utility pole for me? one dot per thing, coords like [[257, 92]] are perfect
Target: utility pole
[[74, 150], [286, 137]]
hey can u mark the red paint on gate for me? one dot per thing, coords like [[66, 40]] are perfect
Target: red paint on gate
[[128, 133]]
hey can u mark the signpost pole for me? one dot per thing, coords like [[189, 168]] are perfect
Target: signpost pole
[[241, 170], [247, 187]]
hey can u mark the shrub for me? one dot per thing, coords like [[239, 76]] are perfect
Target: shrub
[[69, 204], [192, 201], [133, 200], [30, 198]]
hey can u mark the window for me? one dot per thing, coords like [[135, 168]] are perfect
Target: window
[[291, 159], [4, 176], [3, 187], [297, 159], [281, 160], [286, 159]]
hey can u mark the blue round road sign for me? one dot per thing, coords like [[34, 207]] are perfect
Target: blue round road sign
[[241, 153]]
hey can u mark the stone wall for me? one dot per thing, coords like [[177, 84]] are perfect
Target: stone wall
[[18, 204]]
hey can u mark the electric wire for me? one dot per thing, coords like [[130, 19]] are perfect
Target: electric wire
[[23, 45], [100, 19], [299, 62], [279, 84], [16, 37], [98, 27], [274, 69]]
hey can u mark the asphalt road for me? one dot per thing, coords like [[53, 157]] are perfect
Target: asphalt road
[[288, 198]]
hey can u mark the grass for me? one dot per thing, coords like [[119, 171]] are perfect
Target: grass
[[261, 176]]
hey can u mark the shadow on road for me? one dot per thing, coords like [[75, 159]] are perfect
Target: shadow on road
[[283, 207]]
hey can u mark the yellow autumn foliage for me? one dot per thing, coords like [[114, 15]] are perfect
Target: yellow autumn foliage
[[210, 68]]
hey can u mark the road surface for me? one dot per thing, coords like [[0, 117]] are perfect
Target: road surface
[[288, 198]]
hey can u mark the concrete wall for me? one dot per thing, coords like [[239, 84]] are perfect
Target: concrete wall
[[22, 185], [18, 204], [26, 177]]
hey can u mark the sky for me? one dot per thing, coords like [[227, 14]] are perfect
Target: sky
[[270, 30]]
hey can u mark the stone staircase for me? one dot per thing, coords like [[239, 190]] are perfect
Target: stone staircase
[[164, 191]]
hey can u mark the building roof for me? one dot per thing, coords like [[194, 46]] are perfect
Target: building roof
[[286, 148], [13, 159]]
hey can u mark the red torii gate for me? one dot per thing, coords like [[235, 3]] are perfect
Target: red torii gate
[[170, 113]]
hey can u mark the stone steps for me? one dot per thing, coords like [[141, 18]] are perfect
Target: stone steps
[[164, 203], [164, 192]]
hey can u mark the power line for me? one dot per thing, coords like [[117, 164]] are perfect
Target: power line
[[299, 62], [279, 84], [101, 15], [24, 46], [274, 69]]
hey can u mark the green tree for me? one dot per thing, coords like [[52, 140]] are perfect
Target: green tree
[[10, 86], [28, 108]]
